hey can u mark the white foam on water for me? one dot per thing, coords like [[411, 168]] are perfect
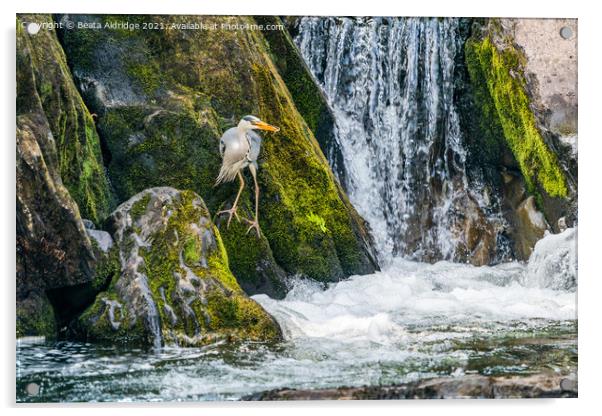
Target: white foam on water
[[380, 307], [553, 263]]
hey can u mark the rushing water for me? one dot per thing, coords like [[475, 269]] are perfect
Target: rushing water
[[391, 85], [410, 321]]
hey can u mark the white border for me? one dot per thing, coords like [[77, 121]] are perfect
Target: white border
[[590, 161]]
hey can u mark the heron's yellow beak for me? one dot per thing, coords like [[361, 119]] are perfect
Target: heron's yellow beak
[[265, 126]]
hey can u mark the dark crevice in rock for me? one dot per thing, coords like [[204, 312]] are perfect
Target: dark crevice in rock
[[70, 301]]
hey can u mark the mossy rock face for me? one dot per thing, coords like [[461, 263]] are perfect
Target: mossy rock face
[[165, 97], [77, 143], [496, 69], [58, 266], [35, 316], [175, 285]]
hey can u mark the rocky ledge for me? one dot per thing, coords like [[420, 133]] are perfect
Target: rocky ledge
[[466, 387]]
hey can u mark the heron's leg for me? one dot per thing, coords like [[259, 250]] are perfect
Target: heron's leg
[[232, 211], [255, 223]]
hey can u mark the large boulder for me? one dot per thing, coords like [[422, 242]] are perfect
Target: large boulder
[[54, 253], [174, 285], [163, 99]]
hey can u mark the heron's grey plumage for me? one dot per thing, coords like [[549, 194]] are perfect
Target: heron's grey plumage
[[238, 150], [255, 147], [234, 147]]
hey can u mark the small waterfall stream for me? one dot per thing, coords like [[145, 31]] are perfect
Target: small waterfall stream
[[390, 83]]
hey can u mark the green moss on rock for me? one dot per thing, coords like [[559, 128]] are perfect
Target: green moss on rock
[[305, 92], [250, 258], [500, 70], [55, 259], [78, 145], [35, 317], [175, 285]]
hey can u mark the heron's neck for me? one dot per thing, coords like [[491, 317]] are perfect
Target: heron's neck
[[243, 127]]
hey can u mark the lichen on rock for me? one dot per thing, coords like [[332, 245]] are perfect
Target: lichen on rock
[[174, 284]]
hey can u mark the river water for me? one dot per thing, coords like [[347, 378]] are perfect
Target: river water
[[410, 321]]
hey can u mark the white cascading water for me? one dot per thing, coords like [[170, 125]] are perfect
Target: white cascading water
[[390, 83]]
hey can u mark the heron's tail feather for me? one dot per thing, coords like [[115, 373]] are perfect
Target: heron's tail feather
[[227, 174]]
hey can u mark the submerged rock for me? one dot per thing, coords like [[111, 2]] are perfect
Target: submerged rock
[[174, 284], [163, 98], [466, 387]]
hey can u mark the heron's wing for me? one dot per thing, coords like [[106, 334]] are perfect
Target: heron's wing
[[234, 149], [255, 145]]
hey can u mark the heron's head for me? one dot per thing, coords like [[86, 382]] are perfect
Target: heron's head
[[254, 123]]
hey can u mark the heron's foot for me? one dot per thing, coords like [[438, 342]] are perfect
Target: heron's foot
[[231, 213], [253, 225]]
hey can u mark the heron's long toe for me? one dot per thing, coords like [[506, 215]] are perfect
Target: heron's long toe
[[253, 225], [231, 212]]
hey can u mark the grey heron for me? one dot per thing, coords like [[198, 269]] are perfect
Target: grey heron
[[239, 147]]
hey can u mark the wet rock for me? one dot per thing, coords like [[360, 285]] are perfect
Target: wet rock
[[475, 233], [534, 120], [531, 226], [102, 238], [53, 249], [526, 224], [59, 268], [307, 95], [89, 224], [562, 224], [465, 387], [174, 285]]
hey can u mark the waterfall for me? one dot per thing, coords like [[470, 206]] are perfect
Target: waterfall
[[390, 83]]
